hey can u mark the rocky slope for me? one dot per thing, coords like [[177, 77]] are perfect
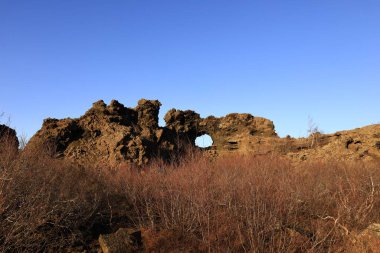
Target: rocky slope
[[113, 133], [357, 144]]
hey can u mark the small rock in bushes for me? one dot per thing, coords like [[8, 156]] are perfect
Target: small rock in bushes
[[124, 240]]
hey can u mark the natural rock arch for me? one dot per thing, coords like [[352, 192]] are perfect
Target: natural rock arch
[[116, 133], [204, 141]]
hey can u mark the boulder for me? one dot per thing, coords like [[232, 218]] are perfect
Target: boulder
[[124, 240]]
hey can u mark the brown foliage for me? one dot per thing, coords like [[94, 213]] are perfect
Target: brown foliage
[[231, 204], [241, 203], [48, 204]]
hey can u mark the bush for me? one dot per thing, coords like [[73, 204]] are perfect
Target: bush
[[233, 203], [241, 203], [49, 204]]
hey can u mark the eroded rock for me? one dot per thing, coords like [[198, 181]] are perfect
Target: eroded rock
[[114, 133], [105, 133]]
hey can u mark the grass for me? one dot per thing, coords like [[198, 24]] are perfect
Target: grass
[[231, 204]]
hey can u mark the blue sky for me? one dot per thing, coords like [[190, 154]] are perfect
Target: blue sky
[[283, 60]]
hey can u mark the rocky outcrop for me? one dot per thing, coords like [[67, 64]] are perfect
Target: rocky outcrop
[[8, 140], [105, 133], [226, 132], [114, 133], [230, 132], [185, 124], [356, 144]]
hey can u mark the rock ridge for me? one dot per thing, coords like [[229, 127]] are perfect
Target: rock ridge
[[114, 133]]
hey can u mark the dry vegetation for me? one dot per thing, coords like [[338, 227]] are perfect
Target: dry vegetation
[[231, 204]]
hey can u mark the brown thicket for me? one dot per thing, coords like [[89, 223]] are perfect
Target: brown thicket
[[230, 204]]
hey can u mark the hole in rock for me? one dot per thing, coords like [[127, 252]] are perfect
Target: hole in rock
[[204, 141]]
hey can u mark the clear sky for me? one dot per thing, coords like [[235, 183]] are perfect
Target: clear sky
[[286, 60]]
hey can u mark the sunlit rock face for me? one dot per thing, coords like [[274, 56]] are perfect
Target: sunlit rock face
[[106, 133], [114, 133]]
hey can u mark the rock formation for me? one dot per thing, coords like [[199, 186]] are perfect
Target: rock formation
[[356, 144], [8, 139], [114, 133]]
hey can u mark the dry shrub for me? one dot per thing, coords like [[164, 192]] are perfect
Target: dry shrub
[[234, 203], [263, 204], [49, 204]]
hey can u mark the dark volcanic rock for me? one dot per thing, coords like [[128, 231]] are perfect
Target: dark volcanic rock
[[8, 139]]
